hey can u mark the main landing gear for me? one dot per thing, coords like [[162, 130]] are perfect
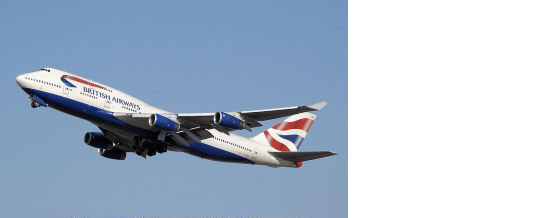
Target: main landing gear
[[146, 148]]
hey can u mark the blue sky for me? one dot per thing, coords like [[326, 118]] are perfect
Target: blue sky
[[182, 56]]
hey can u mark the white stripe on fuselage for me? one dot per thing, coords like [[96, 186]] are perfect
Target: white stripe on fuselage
[[113, 100]]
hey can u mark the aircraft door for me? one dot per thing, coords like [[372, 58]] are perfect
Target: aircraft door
[[107, 104], [254, 153], [65, 91]]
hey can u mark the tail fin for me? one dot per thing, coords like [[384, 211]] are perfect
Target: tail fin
[[289, 134]]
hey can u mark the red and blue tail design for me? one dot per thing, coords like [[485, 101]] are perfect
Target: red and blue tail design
[[289, 134]]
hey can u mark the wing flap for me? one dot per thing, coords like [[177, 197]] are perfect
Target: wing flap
[[299, 156]]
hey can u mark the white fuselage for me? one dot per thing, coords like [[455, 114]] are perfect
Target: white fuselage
[[96, 103]]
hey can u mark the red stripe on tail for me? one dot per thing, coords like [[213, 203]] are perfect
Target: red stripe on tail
[[274, 143], [303, 124]]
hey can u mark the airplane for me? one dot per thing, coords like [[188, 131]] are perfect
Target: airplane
[[128, 124]]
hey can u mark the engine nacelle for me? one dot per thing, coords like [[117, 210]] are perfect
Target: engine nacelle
[[162, 122], [228, 120], [97, 140], [114, 153]]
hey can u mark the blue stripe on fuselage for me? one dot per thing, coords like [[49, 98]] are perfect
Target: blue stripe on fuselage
[[84, 111], [213, 153]]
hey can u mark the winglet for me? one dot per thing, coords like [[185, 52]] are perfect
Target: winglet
[[318, 106]]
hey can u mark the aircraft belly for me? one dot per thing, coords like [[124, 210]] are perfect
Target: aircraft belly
[[213, 153]]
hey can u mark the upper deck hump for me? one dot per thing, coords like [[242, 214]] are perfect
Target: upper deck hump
[[72, 80]]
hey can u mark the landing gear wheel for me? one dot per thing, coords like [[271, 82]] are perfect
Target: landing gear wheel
[[35, 104]]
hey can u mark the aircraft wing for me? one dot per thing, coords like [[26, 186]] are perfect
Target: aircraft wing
[[251, 117], [299, 156], [205, 120]]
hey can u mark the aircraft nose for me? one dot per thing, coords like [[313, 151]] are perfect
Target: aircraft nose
[[19, 79]]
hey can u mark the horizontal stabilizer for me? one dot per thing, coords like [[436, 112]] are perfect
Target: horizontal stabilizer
[[299, 156]]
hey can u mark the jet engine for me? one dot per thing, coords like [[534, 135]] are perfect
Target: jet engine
[[162, 122], [114, 153], [229, 121], [97, 140]]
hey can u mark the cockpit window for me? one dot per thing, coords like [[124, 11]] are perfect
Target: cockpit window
[[44, 69]]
